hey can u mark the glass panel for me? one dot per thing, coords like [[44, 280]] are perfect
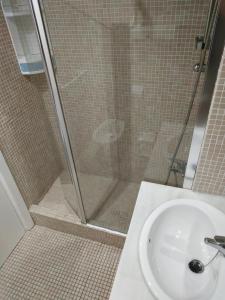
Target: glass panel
[[125, 75], [59, 200]]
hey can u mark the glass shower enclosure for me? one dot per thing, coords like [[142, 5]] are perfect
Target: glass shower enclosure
[[122, 73]]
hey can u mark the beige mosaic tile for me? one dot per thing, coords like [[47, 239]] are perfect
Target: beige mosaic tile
[[26, 138], [29, 138], [128, 61], [110, 206], [210, 176], [55, 201], [50, 265]]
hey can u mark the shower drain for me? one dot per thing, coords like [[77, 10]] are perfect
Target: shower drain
[[196, 266]]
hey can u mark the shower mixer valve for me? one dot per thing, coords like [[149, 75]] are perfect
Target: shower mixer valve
[[179, 166]]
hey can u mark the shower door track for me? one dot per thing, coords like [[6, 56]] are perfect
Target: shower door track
[[41, 31]]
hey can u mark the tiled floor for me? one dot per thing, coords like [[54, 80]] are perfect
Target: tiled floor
[[47, 264], [117, 210], [108, 203], [55, 204]]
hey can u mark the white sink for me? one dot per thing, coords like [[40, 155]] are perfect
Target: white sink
[[173, 235]]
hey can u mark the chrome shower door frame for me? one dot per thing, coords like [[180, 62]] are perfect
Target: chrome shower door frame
[[41, 31], [216, 52]]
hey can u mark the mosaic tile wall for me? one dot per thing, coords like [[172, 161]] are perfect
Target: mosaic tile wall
[[26, 138], [210, 176], [124, 70], [40, 83]]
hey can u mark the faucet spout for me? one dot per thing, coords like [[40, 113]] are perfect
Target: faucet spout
[[218, 242]]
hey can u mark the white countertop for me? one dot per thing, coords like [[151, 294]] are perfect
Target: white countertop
[[129, 283]]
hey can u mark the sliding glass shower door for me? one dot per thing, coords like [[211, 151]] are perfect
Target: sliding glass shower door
[[125, 77]]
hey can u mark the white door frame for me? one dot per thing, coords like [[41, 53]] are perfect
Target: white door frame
[[8, 184]]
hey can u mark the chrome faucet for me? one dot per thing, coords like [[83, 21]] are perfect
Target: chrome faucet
[[218, 242]]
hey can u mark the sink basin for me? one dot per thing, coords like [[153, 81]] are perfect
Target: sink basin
[[173, 236]]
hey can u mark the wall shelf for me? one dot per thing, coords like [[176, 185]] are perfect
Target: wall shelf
[[19, 20]]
